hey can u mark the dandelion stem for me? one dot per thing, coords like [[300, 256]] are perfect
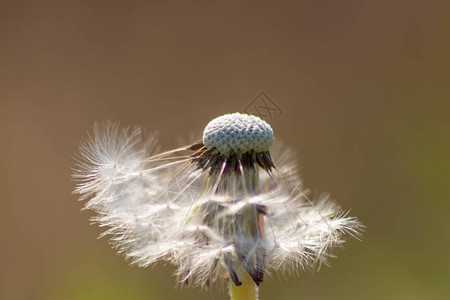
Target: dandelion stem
[[247, 291]]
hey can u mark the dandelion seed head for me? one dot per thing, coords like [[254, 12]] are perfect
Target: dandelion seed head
[[238, 133], [217, 209]]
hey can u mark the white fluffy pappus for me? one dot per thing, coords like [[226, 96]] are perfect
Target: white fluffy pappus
[[214, 215]]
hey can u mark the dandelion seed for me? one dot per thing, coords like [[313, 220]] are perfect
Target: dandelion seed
[[220, 209]]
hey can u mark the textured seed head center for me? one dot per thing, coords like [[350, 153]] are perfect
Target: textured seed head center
[[231, 133]]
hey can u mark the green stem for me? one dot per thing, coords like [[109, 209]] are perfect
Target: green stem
[[247, 291]]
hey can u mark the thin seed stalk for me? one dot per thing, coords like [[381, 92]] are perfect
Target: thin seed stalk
[[248, 290], [247, 223]]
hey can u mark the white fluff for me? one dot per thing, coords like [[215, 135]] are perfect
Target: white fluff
[[153, 206]]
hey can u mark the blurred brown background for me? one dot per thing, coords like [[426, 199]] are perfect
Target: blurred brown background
[[364, 92]]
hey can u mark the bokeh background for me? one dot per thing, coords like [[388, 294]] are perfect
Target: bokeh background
[[363, 87]]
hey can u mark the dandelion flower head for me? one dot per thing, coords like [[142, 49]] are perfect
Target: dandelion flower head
[[218, 209]]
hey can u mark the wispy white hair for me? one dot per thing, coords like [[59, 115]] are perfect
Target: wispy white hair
[[156, 207]]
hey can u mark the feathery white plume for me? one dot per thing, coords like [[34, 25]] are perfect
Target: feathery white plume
[[220, 208]]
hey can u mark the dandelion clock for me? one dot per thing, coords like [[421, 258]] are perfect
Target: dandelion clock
[[221, 209]]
